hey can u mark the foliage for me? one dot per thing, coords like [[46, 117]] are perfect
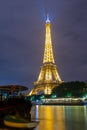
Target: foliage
[[70, 89]]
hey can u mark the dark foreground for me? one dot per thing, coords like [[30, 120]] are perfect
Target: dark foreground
[[17, 109]]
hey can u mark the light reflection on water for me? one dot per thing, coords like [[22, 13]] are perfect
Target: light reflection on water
[[60, 117]]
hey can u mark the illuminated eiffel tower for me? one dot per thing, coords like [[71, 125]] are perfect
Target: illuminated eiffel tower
[[48, 77]]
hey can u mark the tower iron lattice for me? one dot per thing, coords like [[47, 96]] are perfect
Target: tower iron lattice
[[48, 76]]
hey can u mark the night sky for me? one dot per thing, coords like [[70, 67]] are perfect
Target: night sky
[[22, 34]]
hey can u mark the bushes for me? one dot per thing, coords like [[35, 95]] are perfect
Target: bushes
[[70, 89]]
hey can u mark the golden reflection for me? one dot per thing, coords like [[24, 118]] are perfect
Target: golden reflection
[[61, 117], [51, 118]]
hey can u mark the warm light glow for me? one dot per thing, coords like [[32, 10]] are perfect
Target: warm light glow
[[47, 89], [48, 52], [48, 77]]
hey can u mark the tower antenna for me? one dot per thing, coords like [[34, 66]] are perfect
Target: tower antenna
[[47, 20]]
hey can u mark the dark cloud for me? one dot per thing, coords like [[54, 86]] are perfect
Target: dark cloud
[[22, 32]]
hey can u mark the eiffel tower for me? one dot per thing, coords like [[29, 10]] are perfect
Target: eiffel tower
[[48, 77]]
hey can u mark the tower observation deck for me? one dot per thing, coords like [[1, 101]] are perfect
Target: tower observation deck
[[48, 77]]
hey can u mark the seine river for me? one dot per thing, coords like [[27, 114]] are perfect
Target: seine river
[[60, 117]]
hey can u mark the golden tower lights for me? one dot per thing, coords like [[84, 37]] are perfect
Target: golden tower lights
[[48, 77]]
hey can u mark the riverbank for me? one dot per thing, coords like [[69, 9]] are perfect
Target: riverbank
[[62, 101]]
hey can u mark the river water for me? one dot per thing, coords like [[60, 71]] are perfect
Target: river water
[[60, 117]]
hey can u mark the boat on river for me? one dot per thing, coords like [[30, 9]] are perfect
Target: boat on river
[[64, 101], [16, 122]]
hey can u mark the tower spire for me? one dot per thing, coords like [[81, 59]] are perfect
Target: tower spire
[[48, 52], [47, 20]]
